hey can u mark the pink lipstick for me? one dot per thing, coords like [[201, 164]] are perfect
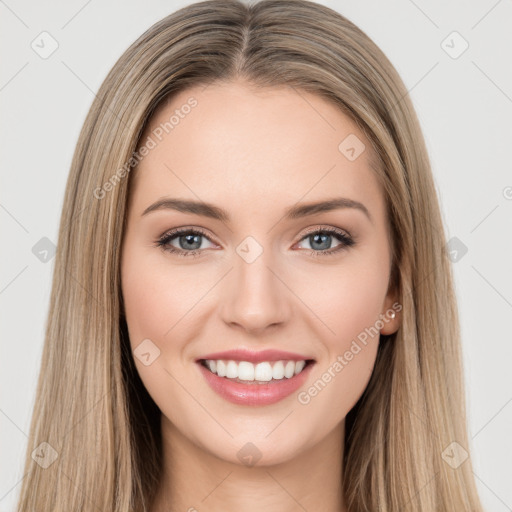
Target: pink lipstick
[[255, 377]]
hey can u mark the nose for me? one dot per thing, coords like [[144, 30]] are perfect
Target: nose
[[256, 299]]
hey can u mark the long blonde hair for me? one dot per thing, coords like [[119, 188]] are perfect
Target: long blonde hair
[[94, 427]]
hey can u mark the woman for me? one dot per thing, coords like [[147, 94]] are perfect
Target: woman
[[198, 355]]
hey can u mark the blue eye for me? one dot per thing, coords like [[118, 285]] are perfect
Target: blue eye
[[186, 237], [322, 237], [191, 239]]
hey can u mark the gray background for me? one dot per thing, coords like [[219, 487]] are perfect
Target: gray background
[[464, 103]]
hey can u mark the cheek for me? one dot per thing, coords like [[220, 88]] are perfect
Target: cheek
[[336, 387], [155, 299], [347, 298], [156, 305], [350, 308], [349, 304]]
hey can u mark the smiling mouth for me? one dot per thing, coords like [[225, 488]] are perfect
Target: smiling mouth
[[265, 372]]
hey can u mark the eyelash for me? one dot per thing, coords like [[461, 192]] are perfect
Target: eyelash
[[164, 240]]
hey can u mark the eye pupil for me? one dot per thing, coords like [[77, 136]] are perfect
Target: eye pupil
[[190, 240], [324, 236]]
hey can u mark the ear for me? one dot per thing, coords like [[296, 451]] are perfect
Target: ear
[[391, 312]]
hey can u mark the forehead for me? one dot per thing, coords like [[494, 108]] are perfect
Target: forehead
[[239, 144]]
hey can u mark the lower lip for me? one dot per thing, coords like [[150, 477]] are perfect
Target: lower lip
[[255, 393]]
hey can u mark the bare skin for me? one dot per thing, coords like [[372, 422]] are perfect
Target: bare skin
[[255, 153]]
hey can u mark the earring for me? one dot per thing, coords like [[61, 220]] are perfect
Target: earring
[[392, 314]]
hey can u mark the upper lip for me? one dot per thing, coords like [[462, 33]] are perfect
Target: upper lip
[[252, 356]]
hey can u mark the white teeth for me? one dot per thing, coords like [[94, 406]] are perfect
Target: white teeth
[[299, 366], [278, 370], [262, 372], [289, 369], [221, 369], [245, 370], [232, 370]]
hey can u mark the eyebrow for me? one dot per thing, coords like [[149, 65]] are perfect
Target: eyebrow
[[294, 212]]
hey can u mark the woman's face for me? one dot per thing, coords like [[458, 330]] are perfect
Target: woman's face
[[250, 277]]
